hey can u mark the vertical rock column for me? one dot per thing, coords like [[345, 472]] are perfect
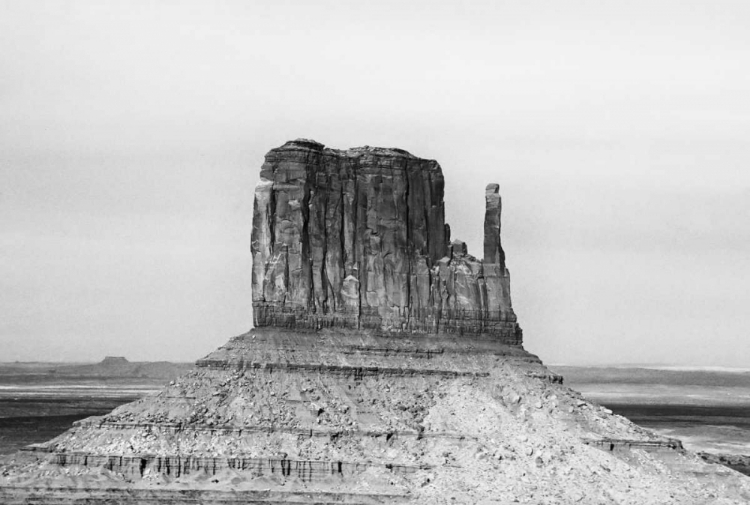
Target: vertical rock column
[[262, 238], [350, 290], [496, 275], [493, 250]]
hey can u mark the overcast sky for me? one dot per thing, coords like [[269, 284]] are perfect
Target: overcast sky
[[132, 133]]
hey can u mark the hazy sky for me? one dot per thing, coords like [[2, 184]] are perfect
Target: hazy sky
[[132, 133]]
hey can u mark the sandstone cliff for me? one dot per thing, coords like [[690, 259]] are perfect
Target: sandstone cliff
[[358, 239]]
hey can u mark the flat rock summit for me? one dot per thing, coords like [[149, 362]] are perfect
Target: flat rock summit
[[385, 365]]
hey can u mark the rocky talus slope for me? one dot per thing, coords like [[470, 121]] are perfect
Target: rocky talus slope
[[386, 366]]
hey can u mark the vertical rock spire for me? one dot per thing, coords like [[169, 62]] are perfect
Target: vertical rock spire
[[493, 250], [496, 275]]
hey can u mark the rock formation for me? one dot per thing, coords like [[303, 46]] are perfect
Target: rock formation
[[357, 239], [385, 366]]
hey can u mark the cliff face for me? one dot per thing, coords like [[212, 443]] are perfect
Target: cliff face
[[358, 239]]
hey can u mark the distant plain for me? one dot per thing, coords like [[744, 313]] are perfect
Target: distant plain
[[39, 401], [707, 408]]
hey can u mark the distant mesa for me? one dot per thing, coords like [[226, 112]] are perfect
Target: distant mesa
[[114, 361], [119, 367]]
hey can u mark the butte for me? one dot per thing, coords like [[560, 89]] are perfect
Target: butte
[[385, 365]]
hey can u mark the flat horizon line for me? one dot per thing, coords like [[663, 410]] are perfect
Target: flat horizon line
[[665, 367]]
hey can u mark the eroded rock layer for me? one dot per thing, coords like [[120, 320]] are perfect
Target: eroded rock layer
[[342, 416], [357, 239]]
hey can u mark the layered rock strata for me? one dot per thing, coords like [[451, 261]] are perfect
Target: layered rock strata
[[336, 416], [357, 239], [386, 367]]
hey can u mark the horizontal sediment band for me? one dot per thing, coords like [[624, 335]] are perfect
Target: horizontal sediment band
[[24, 495], [613, 444], [546, 376], [355, 372], [178, 465], [172, 428], [493, 325]]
